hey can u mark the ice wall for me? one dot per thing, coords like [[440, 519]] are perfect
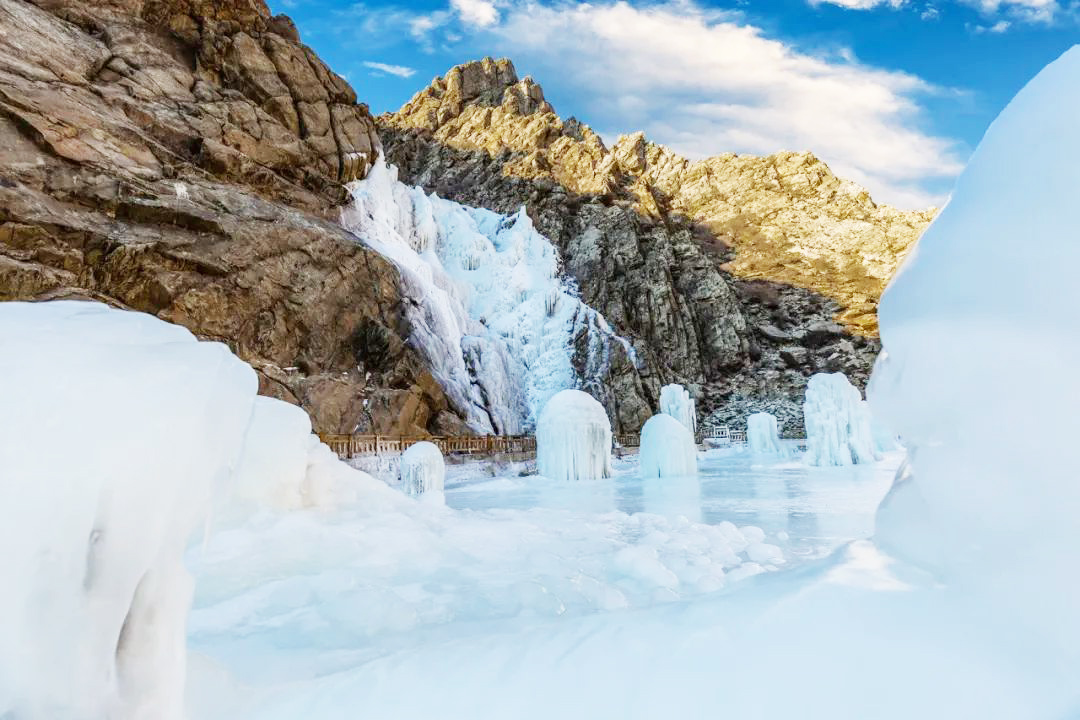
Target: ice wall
[[667, 449], [488, 307], [423, 471], [117, 431], [837, 421], [573, 438], [762, 434], [675, 401], [978, 373]]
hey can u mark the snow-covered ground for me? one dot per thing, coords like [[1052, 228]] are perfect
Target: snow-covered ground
[[287, 601]]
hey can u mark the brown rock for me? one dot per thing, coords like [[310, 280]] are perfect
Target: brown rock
[[155, 159]]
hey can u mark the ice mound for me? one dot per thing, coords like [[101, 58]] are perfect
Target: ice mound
[[675, 401], [837, 420], [978, 373], [488, 307], [573, 438], [118, 431], [762, 434], [423, 471], [667, 449], [275, 458]]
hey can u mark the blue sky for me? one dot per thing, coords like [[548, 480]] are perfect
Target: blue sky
[[893, 94]]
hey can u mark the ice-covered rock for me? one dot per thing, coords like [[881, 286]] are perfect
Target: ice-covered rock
[[762, 434], [675, 401], [667, 448], [118, 430], [489, 308], [423, 471], [573, 438], [837, 422]]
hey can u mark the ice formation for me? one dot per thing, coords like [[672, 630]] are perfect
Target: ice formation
[[762, 434], [667, 448], [423, 471], [118, 431], [275, 458], [675, 401], [285, 466], [573, 438], [838, 430], [487, 305], [978, 374]]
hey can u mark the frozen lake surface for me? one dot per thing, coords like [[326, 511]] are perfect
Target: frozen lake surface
[[285, 598], [818, 508]]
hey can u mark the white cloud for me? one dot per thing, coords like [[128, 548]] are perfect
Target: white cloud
[[1022, 11], [860, 4], [1029, 11], [996, 29], [397, 70], [703, 82], [480, 13]]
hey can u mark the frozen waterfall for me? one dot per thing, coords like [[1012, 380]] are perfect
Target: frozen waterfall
[[488, 307]]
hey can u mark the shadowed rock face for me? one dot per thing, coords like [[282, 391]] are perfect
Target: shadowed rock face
[[736, 276], [183, 158]]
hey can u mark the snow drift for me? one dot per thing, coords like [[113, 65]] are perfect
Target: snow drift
[[573, 438], [762, 434], [837, 420], [675, 401], [667, 448], [423, 471], [488, 308], [118, 431]]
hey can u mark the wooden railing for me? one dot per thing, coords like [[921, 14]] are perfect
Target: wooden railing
[[350, 446]]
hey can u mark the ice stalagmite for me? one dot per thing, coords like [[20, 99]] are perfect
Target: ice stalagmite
[[117, 433], [667, 448], [762, 434], [675, 401], [573, 438], [423, 471], [838, 428]]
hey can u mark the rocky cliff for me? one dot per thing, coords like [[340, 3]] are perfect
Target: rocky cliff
[[737, 276], [184, 158]]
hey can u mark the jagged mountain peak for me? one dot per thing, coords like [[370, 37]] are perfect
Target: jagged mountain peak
[[787, 216], [487, 83]]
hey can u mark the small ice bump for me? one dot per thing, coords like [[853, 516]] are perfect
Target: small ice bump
[[765, 554]]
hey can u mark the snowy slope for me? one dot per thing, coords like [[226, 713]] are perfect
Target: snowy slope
[[488, 306]]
